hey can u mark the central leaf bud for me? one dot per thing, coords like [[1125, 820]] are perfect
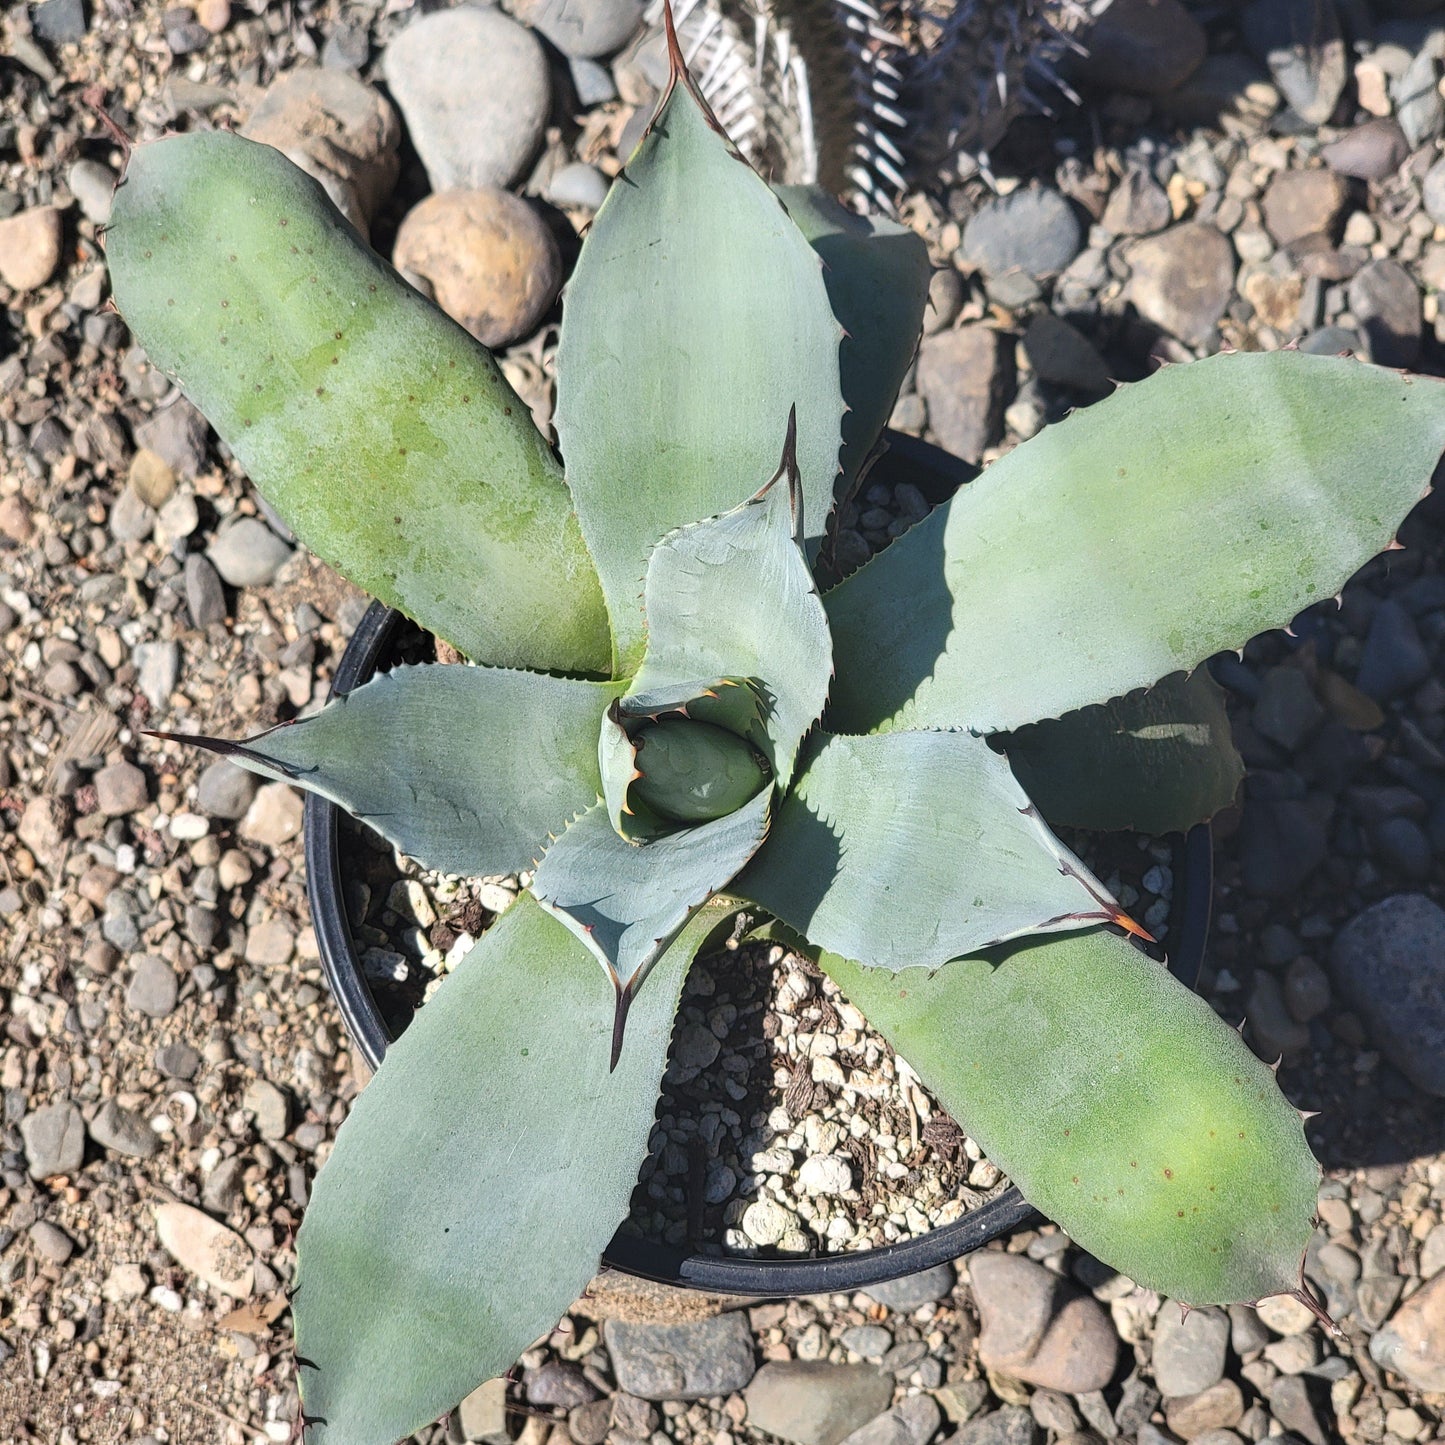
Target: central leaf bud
[[693, 772]]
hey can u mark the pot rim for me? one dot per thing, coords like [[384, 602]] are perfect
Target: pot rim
[[937, 474]]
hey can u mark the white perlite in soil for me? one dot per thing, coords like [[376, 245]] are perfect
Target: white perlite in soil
[[786, 1126]]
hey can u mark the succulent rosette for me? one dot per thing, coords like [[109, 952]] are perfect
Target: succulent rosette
[[667, 722]]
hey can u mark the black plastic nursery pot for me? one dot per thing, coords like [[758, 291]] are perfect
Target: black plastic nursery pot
[[371, 649]]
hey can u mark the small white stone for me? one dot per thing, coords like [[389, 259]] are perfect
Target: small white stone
[[189, 826], [496, 897], [408, 899], [766, 1222], [825, 1174]]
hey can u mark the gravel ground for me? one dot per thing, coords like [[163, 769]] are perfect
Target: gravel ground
[[173, 1070]]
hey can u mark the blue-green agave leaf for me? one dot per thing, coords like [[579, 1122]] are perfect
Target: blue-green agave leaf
[[627, 901], [1118, 1101], [877, 274], [466, 769], [477, 1180], [1174, 519], [732, 703], [908, 849], [696, 317], [733, 597], [385, 435], [1156, 761]]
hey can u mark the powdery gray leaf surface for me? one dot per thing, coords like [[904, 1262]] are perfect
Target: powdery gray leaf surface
[[477, 1180], [466, 769], [908, 849]]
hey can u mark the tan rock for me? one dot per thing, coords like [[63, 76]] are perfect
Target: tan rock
[[207, 1249], [337, 129], [274, 816], [30, 248], [489, 259], [1220, 1407], [16, 523], [1039, 1328], [1305, 203], [1182, 279], [1412, 1344], [151, 478], [43, 828], [1284, 1314], [215, 15], [1276, 299]]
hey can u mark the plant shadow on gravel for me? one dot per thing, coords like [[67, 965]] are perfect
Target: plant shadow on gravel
[[1370, 1115]]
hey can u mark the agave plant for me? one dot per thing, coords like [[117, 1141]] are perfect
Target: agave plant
[[666, 722]]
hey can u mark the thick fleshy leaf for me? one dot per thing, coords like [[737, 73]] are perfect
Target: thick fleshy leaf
[[1157, 761], [1175, 519], [730, 702], [877, 274], [697, 316], [1120, 1104], [466, 769], [733, 597], [385, 436], [907, 849], [477, 1180], [627, 901]]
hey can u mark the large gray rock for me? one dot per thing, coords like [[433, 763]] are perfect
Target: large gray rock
[[123, 1132], [1038, 1328], [247, 553], [1386, 301], [1389, 962], [177, 434], [582, 29], [684, 1361], [1034, 231], [1182, 279], [474, 91], [336, 129], [54, 1139], [1009, 1426], [914, 1421], [914, 1290], [1189, 1349], [1412, 1344], [1145, 47], [153, 987], [811, 1402], [963, 376], [224, 790]]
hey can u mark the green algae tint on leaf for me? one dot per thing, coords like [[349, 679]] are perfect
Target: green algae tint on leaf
[[908, 849], [696, 318], [385, 435], [1121, 1105], [465, 769], [1177, 518], [477, 1180], [1156, 762]]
